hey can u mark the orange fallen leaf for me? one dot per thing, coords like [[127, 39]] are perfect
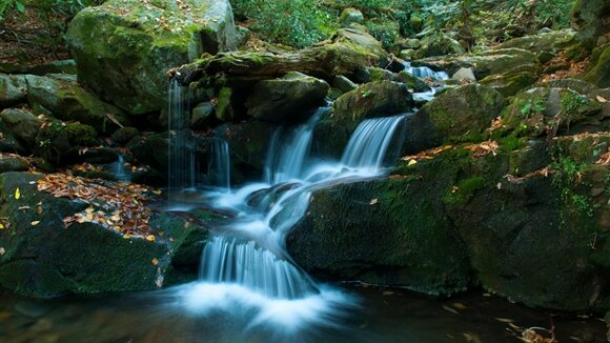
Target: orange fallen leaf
[[155, 261], [150, 238]]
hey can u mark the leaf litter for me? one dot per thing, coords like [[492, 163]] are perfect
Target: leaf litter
[[115, 206]]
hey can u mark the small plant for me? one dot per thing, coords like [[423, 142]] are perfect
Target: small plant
[[7, 5], [532, 107]]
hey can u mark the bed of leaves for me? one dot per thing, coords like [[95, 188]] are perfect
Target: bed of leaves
[[116, 206]]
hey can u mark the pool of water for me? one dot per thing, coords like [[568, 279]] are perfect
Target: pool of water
[[377, 316]]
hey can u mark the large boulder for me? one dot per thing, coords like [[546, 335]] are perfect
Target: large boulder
[[374, 99], [390, 232], [483, 64], [124, 48], [66, 100], [465, 112], [42, 257], [599, 73], [589, 18], [551, 111], [13, 90], [22, 124], [287, 98]]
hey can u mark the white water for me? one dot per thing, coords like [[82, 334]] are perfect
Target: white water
[[119, 171], [219, 163], [245, 266], [425, 72]]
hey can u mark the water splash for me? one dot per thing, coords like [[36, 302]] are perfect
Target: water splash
[[425, 72], [219, 163]]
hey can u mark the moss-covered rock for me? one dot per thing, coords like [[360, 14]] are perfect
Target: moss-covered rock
[[439, 46], [289, 98], [351, 15], [22, 124], [464, 112], [13, 164], [124, 48], [551, 42], [390, 232], [13, 90], [599, 74], [589, 18], [373, 99], [67, 101], [231, 104], [550, 111], [43, 258], [61, 142], [483, 64]]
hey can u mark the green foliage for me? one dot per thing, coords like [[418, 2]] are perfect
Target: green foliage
[[8, 5], [297, 23], [567, 177], [532, 107]]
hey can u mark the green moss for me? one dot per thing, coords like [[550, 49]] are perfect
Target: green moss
[[464, 190]]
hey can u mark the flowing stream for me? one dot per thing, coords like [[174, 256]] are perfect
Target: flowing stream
[[245, 268]]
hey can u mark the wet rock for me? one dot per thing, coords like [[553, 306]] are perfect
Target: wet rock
[[464, 74], [151, 149], [375, 236], [202, 115], [124, 48], [289, 98], [31, 309], [13, 164], [373, 99], [60, 142], [68, 101], [22, 124], [343, 84], [13, 90], [465, 112], [230, 106], [439, 47], [551, 42], [125, 134]]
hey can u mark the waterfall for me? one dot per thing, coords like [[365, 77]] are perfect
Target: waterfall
[[227, 260], [288, 150], [368, 146], [181, 164], [119, 171], [425, 72], [219, 163]]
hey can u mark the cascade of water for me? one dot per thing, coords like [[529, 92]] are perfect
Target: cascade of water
[[287, 151], [119, 170], [229, 260], [369, 144], [219, 163], [425, 72], [181, 155]]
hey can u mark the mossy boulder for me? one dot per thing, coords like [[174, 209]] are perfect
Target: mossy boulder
[[599, 73], [439, 46], [13, 164], [551, 111], [67, 101], [152, 149], [123, 49], [43, 258], [13, 90], [551, 42], [230, 105], [389, 232], [589, 18], [62, 142], [288, 98], [463, 113], [483, 64], [22, 125], [374, 99]]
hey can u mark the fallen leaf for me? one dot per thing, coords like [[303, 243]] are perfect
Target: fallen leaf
[[412, 162], [374, 201], [23, 208], [505, 320], [17, 194], [2, 226], [155, 261], [150, 238], [2, 251], [34, 223], [601, 99]]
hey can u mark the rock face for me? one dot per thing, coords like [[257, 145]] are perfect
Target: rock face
[[287, 98], [124, 48], [464, 112], [13, 90], [375, 99], [65, 100], [344, 237], [42, 258], [589, 18], [599, 74]]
